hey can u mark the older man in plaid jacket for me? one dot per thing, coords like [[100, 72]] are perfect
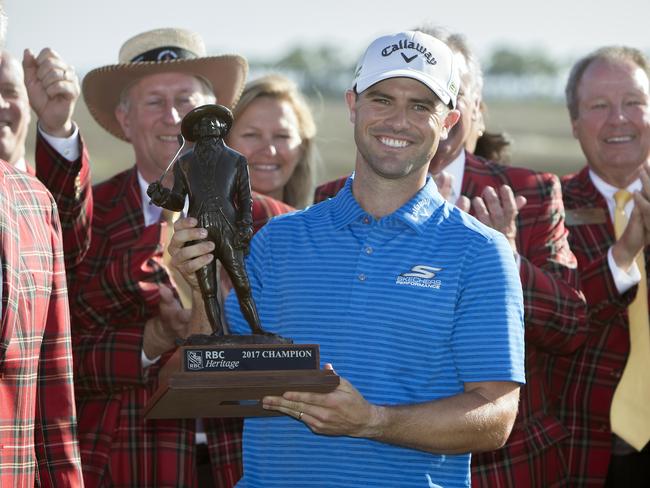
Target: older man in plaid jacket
[[127, 313], [37, 413], [608, 97], [38, 442]]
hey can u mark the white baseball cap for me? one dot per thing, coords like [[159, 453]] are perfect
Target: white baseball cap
[[410, 54]]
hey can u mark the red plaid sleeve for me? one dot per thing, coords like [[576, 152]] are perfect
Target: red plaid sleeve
[[55, 427], [110, 311], [597, 282], [69, 182], [554, 306]]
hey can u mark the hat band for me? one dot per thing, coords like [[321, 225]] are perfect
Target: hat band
[[165, 53]]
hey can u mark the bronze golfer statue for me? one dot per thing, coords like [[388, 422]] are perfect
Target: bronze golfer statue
[[225, 375], [215, 178]]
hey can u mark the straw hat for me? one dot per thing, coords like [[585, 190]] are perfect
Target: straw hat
[[161, 51]]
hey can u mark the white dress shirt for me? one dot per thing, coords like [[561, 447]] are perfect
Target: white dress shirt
[[624, 280], [68, 147], [456, 169]]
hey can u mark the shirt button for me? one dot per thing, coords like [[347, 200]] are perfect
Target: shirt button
[[366, 220], [362, 277], [368, 250]]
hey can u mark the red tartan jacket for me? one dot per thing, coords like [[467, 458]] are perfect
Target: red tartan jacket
[[585, 382], [115, 292], [38, 438], [554, 319]]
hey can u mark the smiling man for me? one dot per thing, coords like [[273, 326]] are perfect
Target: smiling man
[[390, 280], [38, 432], [608, 97], [14, 111]]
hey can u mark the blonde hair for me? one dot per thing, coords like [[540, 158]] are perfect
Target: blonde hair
[[299, 190]]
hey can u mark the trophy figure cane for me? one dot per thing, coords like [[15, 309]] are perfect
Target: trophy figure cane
[[215, 179], [224, 375]]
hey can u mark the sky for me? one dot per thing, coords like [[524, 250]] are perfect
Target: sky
[[89, 33]]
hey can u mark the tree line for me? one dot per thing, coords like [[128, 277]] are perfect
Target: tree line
[[324, 69]]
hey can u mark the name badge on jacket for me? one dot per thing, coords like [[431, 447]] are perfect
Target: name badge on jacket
[[585, 216]]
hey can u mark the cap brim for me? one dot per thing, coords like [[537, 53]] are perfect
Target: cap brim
[[103, 86], [365, 82]]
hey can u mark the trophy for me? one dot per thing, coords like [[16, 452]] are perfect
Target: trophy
[[225, 375]]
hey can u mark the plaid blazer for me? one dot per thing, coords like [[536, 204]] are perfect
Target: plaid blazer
[[554, 318], [115, 292], [585, 382], [38, 438]]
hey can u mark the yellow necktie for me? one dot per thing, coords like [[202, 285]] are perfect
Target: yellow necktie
[[183, 288], [630, 411]]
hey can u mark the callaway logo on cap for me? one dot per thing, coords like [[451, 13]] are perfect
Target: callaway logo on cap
[[410, 54]]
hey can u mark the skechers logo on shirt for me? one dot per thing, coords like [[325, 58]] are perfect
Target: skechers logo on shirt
[[420, 275]]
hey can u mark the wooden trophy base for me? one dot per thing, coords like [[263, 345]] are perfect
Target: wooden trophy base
[[229, 380]]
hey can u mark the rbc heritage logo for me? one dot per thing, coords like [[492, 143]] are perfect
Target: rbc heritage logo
[[194, 359]]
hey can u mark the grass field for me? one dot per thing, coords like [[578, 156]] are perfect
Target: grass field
[[540, 130]]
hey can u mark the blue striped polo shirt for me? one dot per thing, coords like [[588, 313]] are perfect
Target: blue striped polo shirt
[[407, 308]]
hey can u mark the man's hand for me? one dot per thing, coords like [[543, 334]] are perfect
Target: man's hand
[[189, 249], [479, 419], [343, 411], [637, 232], [172, 322], [444, 181], [53, 89], [498, 211], [158, 193]]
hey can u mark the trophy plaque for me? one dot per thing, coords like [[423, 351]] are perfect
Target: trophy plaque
[[224, 375], [230, 380]]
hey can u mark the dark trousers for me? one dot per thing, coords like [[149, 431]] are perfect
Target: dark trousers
[[630, 470], [204, 475]]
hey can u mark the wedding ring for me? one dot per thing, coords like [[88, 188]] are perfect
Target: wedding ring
[[300, 415]]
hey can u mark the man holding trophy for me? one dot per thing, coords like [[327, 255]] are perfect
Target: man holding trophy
[[416, 304], [127, 308]]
